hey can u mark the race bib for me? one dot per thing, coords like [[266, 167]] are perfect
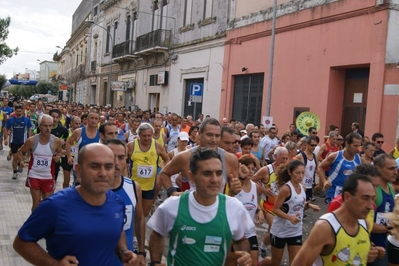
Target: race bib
[[273, 187], [338, 191], [381, 220], [128, 217], [74, 150], [308, 182], [145, 171], [41, 162]]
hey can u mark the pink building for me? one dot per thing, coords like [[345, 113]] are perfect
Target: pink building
[[338, 59]]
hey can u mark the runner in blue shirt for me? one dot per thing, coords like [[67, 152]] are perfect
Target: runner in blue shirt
[[18, 128]]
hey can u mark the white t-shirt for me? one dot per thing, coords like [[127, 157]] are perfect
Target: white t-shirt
[[163, 219], [268, 144]]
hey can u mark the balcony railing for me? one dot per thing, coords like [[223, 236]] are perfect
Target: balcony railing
[[122, 49], [93, 66], [157, 38]]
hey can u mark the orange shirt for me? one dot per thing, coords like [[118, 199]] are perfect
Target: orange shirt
[[186, 129]]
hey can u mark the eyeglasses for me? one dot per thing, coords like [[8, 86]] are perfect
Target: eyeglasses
[[380, 142], [237, 142], [340, 139], [314, 133], [313, 145]]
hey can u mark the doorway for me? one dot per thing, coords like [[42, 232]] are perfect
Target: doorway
[[189, 106], [355, 99], [93, 94], [154, 102], [247, 99]]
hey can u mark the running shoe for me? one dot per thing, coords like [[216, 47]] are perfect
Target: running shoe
[[14, 176], [9, 157], [262, 251]]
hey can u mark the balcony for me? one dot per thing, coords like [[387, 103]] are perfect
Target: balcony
[[123, 51], [158, 40]]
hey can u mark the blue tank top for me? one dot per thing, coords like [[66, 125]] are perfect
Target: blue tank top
[[387, 205], [339, 171], [258, 154], [127, 192], [86, 140]]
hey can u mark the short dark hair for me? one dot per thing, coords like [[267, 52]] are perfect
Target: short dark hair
[[247, 141], [55, 111], [192, 129], [367, 169], [83, 116], [229, 130], [252, 133], [310, 139], [208, 121], [367, 145], [351, 136], [101, 129], [202, 154], [376, 136], [356, 125], [312, 128], [114, 142], [351, 183]]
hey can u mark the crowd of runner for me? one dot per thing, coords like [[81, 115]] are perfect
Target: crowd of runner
[[223, 178]]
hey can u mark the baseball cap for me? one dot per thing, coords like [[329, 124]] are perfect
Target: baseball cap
[[183, 136]]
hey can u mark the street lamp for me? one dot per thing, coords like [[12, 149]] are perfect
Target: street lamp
[[112, 42]]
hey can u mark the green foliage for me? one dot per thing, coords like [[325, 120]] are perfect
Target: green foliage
[[3, 81], [5, 51], [26, 91]]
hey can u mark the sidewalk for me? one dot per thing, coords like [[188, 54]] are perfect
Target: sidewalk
[[15, 205]]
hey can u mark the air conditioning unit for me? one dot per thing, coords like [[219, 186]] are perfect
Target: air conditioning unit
[[131, 83]]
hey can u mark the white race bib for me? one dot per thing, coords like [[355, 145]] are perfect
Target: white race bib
[[145, 171], [41, 162], [308, 182], [128, 217], [381, 220]]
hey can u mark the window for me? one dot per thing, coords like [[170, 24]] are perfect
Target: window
[[154, 80], [164, 2], [207, 9], [155, 5], [134, 15], [187, 12], [95, 11], [107, 38], [127, 28], [115, 32]]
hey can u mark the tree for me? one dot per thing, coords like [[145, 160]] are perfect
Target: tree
[[5, 51], [43, 87], [3, 81]]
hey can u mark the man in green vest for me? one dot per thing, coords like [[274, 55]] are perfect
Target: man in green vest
[[205, 223]]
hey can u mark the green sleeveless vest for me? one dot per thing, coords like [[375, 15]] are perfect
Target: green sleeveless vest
[[193, 243]]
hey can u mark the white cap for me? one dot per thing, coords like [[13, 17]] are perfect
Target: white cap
[[183, 136]]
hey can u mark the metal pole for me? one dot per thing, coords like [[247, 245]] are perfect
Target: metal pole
[[195, 110], [249, 95], [270, 81]]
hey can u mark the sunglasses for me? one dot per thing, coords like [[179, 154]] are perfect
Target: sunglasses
[[340, 139], [313, 145], [237, 142], [380, 142]]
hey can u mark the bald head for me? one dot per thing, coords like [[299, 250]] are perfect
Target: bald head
[[92, 149]]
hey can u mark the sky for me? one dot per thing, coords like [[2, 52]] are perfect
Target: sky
[[37, 27]]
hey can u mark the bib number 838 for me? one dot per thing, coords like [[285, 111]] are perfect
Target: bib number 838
[[41, 163]]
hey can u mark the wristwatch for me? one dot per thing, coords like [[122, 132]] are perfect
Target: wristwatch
[[143, 253]]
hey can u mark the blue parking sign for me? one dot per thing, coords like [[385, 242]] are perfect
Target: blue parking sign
[[196, 90]]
